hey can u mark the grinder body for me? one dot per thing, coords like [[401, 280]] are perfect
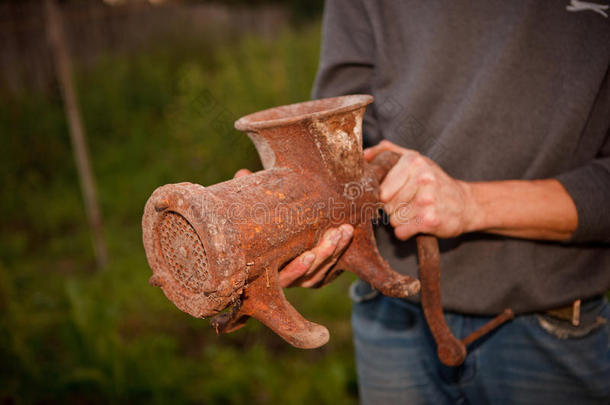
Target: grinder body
[[218, 247]]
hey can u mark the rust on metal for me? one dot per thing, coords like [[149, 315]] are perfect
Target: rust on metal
[[221, 247]]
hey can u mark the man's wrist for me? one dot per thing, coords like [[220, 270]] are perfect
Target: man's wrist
[[473, 217]]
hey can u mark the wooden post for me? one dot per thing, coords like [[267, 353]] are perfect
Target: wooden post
[[63, 70]]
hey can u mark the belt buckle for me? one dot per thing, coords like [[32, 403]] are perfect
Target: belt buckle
[[570, 313]]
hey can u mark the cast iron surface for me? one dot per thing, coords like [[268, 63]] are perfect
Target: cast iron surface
[[221, 247]]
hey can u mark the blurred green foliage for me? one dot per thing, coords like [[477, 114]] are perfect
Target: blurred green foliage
[[70, 334]]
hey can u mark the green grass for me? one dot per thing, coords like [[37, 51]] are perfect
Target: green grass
[[69, 333]]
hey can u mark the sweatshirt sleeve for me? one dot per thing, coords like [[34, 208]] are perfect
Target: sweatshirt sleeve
[[588, 183], [347, 58], [589, 187]]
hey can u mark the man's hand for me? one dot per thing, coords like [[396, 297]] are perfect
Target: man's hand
[[311, 266], [419, 197]]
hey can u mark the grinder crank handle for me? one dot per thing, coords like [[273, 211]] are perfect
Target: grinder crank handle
[[450, 350]]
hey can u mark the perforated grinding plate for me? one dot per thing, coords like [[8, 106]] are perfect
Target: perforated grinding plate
[[183, 252]]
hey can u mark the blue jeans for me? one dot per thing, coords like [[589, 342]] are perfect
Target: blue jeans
[[518, 363]]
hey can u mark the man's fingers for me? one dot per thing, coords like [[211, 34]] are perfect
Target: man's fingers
[[370, 153], [418, 180], [425, 221], [311, 267], [242, 173], [395, 179], [347, 231], [401, 214], [406, 231], [420, 215], [325, 248], [317, 277], [296, 268], [401, 202]]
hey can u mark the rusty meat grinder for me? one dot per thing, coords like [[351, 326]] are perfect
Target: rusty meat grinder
[[218, 247]]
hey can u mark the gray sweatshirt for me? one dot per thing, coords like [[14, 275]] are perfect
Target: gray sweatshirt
[[490, 90]]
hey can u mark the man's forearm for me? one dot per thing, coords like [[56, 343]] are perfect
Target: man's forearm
[[531, 209]]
